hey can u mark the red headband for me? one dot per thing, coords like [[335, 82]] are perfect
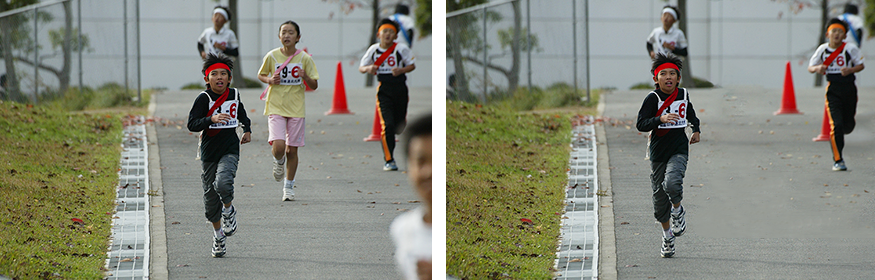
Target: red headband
[[665, 65], [217, 66]]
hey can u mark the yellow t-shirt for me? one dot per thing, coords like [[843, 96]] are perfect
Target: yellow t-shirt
[[287, 98]]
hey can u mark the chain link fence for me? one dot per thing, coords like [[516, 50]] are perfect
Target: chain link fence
[[496, 48], [49, 48]]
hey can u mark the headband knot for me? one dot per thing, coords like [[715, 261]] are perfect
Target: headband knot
[[217, 66], [664, 66]]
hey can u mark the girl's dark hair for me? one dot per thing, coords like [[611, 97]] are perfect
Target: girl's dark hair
[[836, 20], [297, 28], [421, 126], [676, 11], [851, 9], [226, 11], [661, 59], [213, 59]]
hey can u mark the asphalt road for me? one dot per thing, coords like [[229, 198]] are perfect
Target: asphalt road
[[337, 228], [761, 199]]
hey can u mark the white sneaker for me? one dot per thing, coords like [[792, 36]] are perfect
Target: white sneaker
[[289, 190], [279, 170]]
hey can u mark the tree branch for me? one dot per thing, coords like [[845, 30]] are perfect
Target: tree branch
[[41, 66], [474, 60]]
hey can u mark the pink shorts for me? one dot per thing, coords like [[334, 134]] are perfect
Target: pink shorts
[[289, 129]]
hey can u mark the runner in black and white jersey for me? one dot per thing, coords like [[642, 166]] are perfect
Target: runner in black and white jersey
[[392, 93], [838, 61], [667, 39], [218, 39]]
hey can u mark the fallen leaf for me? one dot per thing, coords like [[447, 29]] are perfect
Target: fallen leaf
[[78, 221], [526, 221], [575, 260], [126, 260]]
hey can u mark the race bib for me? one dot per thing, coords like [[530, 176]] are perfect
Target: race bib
[[678, 107], [386, 67], [291, 75], [230, 108]]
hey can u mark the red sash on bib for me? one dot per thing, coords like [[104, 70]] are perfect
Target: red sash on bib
[[834, 54], [219, 102], [385, 55], [668, 102]]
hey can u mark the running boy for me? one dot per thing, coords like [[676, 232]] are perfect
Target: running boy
[[219, 110], [666, 111], [838, 61], [390, 62], [411, 231], [285, 69], [667, 39]]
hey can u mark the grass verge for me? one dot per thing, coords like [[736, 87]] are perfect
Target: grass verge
[[504, 169], [57, 167]]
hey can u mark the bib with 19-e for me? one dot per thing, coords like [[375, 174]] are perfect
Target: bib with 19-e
[[291, 75], [229, 107], [677, 107]]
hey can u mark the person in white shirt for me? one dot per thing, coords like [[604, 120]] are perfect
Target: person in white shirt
[[218, 39], [411, 231], [406, 24], [667, 39], [855, 24]]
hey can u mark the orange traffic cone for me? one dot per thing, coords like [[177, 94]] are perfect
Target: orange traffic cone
[[306, 86], [788, 102], [339, 104], [378, 129], [824, 130]]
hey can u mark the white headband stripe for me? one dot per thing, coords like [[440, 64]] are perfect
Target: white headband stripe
[[221, 11], [666, 10]]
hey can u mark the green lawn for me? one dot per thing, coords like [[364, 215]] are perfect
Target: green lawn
[[56, 166], [502, 167]]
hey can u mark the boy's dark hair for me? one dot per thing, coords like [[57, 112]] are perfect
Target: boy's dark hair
[[661, 59], [420, 127], [227, 11], [676, 11], [834, 21], [295, 24], [388, 21], [402, 9], [851, 9], [213, 59]]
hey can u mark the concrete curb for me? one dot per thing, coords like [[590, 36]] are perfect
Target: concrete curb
[[607, 239], [158, 261]]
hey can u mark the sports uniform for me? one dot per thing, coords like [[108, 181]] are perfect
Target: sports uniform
[[220, 154], [841, 92], [224, 37], [392, 92], [674, 37]]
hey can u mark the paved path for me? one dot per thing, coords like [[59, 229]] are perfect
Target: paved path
[[338, 228], [761, 199]]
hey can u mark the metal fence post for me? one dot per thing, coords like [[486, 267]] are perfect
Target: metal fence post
[[485, 90], [79, 40], [586, 33], [35, 56], [139, 71], [574, 41], [125, 23], [529, 40]]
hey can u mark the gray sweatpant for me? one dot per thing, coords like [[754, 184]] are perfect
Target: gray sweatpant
[[667, 181], [218, 178]]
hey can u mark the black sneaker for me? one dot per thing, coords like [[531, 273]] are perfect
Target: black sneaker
[[667, 247], [229, 221], [678, 223], [218, 246]]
